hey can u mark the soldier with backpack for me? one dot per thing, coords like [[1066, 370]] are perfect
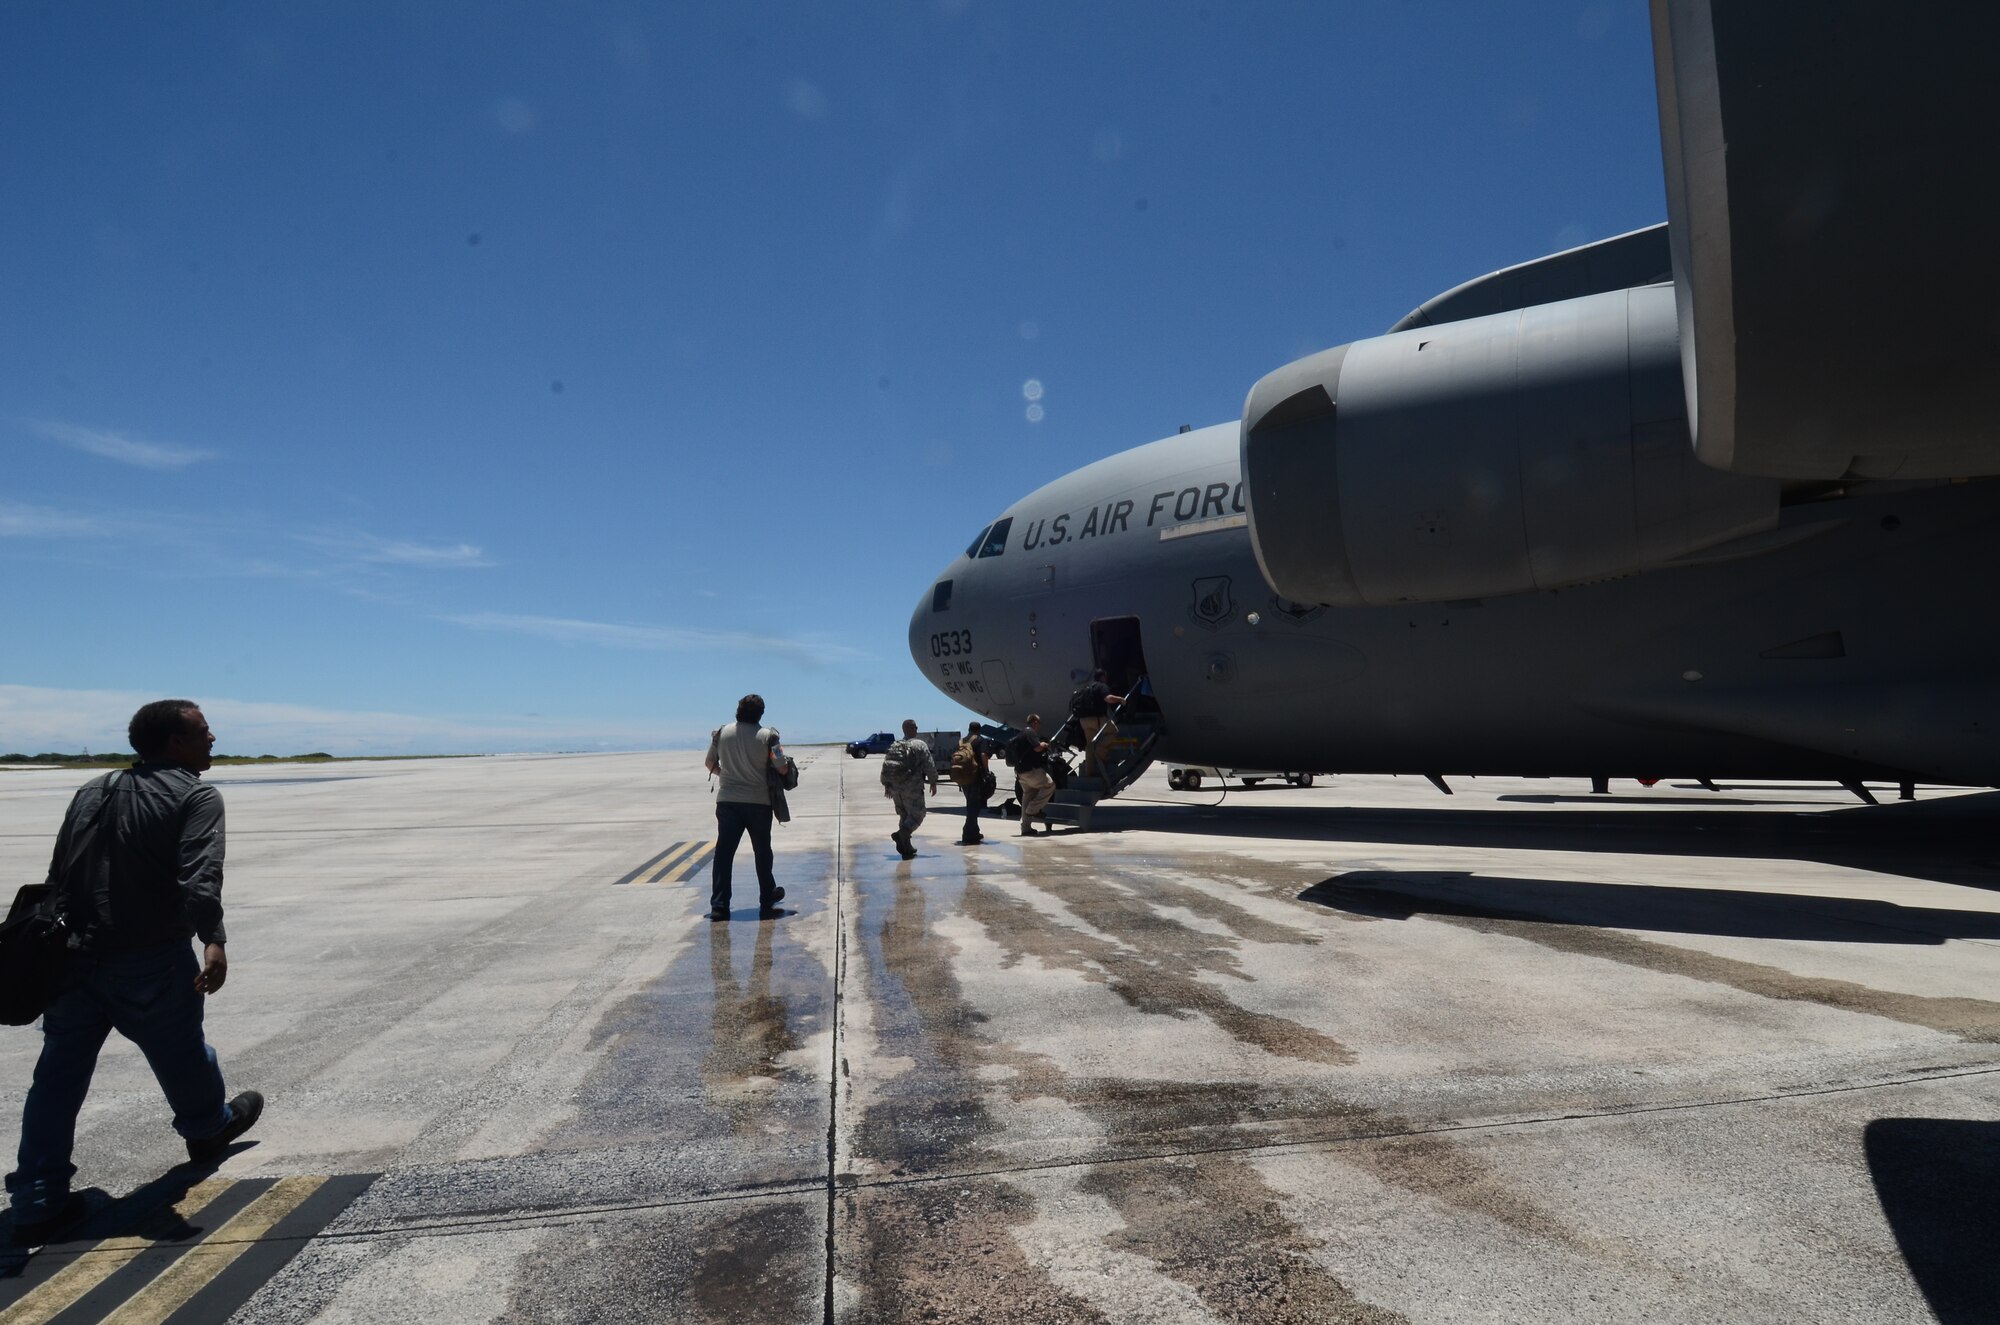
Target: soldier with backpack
[[907, 769], [969, 773]]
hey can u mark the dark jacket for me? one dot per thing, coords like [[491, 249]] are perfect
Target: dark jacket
[[154, 872], [1091, 700], [1023, 755]]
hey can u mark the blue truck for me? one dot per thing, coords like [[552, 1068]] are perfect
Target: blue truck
[[877, 744]]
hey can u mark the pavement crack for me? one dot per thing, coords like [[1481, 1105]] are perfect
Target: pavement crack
[[482, 1221], [836, 1065]]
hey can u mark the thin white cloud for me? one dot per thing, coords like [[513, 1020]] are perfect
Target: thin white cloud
[[376, 551], [396, 552], [20, 520], [116, 446], [656, 639], [38, 718]]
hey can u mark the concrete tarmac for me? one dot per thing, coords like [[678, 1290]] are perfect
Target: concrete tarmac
[[1354, 1053]]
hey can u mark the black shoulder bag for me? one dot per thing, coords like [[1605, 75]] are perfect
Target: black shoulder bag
[[34, 939]]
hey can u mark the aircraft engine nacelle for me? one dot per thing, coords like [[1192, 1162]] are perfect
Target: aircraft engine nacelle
[[1531, 449]]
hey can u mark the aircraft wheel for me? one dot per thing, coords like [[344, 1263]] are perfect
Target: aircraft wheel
[[1303, 780], [1190, 781], [1175, 779]]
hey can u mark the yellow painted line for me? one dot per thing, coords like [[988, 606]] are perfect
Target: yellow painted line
[[685, 870], [676, 853], [674, 861], [191, 1273], [102, 1260]]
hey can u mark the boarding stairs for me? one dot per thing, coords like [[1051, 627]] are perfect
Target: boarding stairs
[[1122, 757]]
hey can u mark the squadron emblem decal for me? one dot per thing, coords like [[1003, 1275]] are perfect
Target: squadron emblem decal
[[1296, 613], [1212, 603]]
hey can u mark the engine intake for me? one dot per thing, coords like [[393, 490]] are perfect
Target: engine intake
[[1531, 449]]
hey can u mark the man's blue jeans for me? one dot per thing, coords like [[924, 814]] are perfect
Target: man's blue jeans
[[732, 820], [148, 997]]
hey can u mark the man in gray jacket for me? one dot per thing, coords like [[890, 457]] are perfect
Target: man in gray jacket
[[739, 753], [139, 860]]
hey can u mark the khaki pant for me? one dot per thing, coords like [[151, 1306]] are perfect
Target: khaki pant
[[1037, 787], [1093, 729]]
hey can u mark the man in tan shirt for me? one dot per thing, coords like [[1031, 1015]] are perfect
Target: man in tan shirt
[[738, 753]]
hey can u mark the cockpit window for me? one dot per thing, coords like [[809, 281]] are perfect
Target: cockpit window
[[978, 541], [996, 538], [941, 596]]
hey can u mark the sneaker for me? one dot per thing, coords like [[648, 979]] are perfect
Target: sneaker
[[244, 1111], [718, 913], [777, 895], [908, 850], [43, 1230]]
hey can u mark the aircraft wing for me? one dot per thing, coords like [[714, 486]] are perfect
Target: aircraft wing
[[1830, 193]]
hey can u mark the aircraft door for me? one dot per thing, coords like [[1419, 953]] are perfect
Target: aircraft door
[[1115, 647], [999, 688]]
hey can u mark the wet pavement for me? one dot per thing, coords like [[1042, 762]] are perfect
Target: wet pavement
[[1350, 1053]]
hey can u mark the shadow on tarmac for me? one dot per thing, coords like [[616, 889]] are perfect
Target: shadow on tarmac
[[1947, 841], [1939, 1183], [1734, 913], [146, 1212], [1609, 799]]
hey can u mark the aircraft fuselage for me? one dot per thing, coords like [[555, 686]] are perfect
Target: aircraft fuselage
[[1834, 647]]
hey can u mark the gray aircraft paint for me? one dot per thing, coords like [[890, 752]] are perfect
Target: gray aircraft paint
[[1506, 560], [1722, 669], [1529, 449], [1829, 193]]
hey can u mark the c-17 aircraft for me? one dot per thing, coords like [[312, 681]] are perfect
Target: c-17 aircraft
[[1712, 498]]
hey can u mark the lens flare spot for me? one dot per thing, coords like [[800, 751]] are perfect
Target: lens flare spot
[[515, 115]]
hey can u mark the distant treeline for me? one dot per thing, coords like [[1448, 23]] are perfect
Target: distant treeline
[[107, 757], [113, 758]]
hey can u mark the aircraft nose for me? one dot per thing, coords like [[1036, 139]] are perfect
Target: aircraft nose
[[931, 626], [923, 620], [919, 622]]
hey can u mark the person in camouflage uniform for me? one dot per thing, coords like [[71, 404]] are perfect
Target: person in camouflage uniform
[[906, 770]]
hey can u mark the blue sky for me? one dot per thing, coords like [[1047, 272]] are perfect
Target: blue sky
[[455, 377]]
